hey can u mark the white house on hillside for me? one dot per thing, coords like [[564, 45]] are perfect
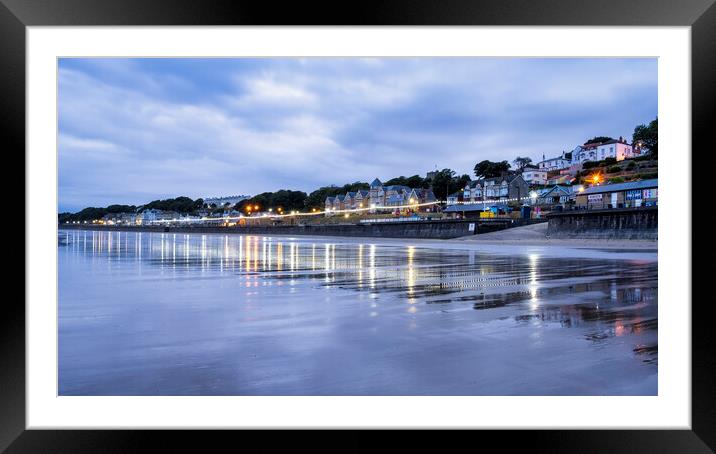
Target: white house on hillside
[[558, 163], [584, 153], [534, 176], [615, 148], [618, 149]]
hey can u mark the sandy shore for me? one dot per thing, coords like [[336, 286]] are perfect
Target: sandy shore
[[536, 235]]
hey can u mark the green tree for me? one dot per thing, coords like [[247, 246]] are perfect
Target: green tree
[[521, 162], [443, 183], [462, 181], [181, 204], [598, 139], [489, 169], [648, 137], [285, 199], [317, 198], [416, 181]]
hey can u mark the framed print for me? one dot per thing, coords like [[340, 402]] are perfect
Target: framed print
[[436, 218]]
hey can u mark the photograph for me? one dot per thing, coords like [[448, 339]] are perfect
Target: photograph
[[357, 226]]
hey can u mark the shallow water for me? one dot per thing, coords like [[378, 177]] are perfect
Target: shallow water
[[177, 314]]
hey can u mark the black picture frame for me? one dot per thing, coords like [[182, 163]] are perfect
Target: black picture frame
[[16, 15]]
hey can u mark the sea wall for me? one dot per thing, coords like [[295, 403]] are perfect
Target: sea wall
[[623, 223], [443, 229]]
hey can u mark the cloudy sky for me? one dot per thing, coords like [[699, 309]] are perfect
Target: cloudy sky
[[136, 130]]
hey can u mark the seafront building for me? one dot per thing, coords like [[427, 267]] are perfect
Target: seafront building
[[380, 197], [153, 215], [120, 218], [558, 163], [618, 149], [556, 196], [633, 194], [534, 175], [507, 186]]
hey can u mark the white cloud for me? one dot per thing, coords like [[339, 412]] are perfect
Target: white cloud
[[268, 91]]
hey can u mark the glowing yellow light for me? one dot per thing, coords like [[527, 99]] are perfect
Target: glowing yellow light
[[256, 207]]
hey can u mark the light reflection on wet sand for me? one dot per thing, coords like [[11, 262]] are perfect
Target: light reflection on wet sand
[[203, 314]]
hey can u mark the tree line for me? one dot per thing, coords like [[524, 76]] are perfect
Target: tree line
[[179, 204]]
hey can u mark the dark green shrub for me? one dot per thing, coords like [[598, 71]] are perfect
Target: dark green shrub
[[614, 169], [648, 176]]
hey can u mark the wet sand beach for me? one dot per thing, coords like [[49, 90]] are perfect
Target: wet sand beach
[[213, 314]]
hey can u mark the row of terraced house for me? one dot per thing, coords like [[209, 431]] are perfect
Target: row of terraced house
[[382, 198]]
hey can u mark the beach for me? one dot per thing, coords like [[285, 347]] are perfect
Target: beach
[[210, 314]]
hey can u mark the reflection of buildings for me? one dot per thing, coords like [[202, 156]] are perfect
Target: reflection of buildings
[[420, 276]]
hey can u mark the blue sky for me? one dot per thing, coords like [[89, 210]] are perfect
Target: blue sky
[[136, 130]]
